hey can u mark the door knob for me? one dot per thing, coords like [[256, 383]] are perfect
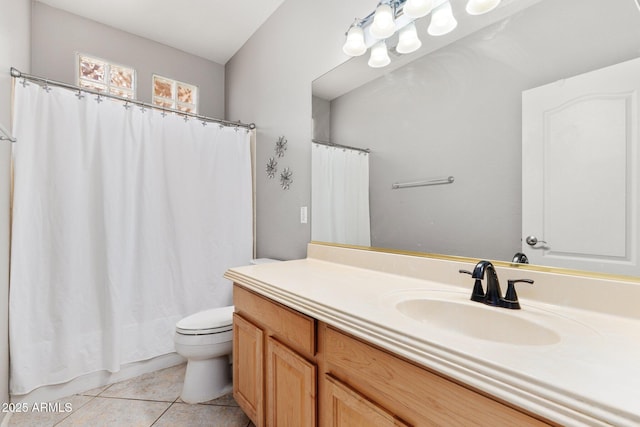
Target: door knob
[[533, 240]]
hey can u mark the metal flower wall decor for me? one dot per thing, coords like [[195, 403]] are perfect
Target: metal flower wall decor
[[272, 167], [286, 178], [281, 146]]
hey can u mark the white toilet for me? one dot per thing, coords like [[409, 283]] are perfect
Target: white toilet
[[205, 339]]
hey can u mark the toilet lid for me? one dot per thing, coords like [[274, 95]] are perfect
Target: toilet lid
[[210, 321]]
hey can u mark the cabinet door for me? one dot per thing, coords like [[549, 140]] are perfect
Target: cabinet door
[[290, 388], [248, 380], [348, 408]]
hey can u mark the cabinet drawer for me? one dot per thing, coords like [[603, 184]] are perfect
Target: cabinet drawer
[[411, 392], [289, 326], [348, 408]]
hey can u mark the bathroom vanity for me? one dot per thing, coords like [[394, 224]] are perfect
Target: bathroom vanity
[[358, 337]]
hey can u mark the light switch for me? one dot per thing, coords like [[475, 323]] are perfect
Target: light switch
[[303, 215]]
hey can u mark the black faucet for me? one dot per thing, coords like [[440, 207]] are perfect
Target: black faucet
[[493, 296]]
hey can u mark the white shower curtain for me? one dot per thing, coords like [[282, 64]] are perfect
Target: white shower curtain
[[124, 221], [340, 195]]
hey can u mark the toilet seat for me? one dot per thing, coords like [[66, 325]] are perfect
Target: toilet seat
[[207, 322]]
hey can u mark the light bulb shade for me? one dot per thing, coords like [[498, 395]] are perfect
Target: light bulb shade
[[408, 40], [417, 8], [383, 25], [379, 55], [478, 7], [354, 45], [442, 20]]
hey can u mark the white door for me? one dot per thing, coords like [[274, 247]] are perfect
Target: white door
[[580, 171]]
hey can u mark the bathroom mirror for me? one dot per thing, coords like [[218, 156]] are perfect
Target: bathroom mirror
[[457, 111]]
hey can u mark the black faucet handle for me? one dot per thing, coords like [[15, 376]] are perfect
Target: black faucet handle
[[510, 299], [478, 293]]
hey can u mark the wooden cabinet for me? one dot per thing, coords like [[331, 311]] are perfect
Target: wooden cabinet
[[248, 376], [346, 407], [410, 392], [290, 370], [273, 362], [290, 388]]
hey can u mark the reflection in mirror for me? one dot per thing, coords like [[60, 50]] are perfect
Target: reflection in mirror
[[458, 112], [340, 194]]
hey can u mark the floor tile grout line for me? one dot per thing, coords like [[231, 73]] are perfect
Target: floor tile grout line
[[74, 411], [137, 399], [162, 414], [176, 400], [95, 395], [165, 411]]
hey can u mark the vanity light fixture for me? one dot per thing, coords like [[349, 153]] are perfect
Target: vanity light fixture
[[442, 20], [383, 25], [379, 55], [417, 8], [408, 40], [355, 45], [399, 15], [478, 7]]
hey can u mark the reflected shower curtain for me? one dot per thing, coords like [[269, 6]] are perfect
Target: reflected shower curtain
[[124, 221], [340, 195]]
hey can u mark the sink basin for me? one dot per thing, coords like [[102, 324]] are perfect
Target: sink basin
[[478, 321]]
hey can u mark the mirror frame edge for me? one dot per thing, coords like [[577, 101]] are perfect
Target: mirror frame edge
[[528, 267]]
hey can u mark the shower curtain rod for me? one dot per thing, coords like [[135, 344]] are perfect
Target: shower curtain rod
[[333, 144], [18, 74]]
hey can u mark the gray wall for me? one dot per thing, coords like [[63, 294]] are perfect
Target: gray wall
[[57, 36], [457, 112], [15, 27], [321, 119], [269, 82]]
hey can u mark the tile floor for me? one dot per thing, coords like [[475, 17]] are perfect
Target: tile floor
[[148, 400]]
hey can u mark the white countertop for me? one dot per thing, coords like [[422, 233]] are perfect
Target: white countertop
[[590, 376]]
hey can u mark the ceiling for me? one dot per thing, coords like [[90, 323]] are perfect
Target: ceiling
[[211, 29]]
